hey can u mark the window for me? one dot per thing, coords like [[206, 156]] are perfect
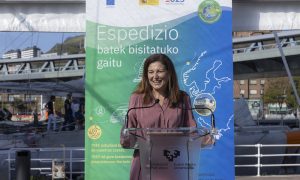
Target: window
[[261, 91], [11, 98], [262, 81], [253, 82], [253, 91], [30, 98], [242, 81], [242, 91]]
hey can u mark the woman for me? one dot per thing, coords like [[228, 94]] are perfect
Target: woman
[[159, 82]]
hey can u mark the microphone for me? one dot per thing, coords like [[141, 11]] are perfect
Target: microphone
[[141, 107]]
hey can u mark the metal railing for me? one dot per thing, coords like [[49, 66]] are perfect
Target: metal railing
[[44, 70], [264, 47], [41, 160], [259, 156], [42, 163]]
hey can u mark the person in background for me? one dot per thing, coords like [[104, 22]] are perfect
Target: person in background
[[51, 113], [8, 114], [35, 118], [5, 114], [68, 118], [2, 115], [75, 108], [79, 115]]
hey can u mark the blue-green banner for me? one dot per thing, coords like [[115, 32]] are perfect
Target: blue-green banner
[[196, 35]]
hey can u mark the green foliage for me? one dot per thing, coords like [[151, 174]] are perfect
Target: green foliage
[[293, 100], [18, 104], [279, 87], [276, 87], [72, 45]]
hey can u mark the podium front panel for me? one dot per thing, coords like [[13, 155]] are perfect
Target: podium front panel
[[169, 156]]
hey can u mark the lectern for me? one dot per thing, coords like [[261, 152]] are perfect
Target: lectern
[[169, 154]]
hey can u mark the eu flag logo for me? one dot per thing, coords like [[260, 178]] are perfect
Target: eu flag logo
[[110, 2]]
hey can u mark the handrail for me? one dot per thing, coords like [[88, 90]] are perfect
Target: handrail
[[45, 70], [259, 155], [264, 47], [71, 160]]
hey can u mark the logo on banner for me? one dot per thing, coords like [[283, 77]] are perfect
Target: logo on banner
[[149, 2], [205, 100], [139, 69], [94, 132], [171, 155], [110, 2], [174, 1], [210, 11], [100, 110]]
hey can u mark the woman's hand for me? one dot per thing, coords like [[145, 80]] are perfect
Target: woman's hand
[[207, 140], [127, 140]]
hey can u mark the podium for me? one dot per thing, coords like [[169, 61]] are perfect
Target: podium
[[169, 153]]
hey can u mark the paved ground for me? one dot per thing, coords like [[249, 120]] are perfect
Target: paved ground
[[284, 177]]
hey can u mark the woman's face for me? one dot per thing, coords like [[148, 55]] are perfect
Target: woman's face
[[158, 76]]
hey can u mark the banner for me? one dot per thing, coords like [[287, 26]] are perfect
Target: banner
[[196, 35]]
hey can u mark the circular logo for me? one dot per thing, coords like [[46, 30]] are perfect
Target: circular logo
[[94, 132], [210, 11], [203, 101], [100, 110]]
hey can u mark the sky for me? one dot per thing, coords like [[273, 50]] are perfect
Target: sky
[[21, 40]]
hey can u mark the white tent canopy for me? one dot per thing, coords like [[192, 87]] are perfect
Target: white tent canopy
[[69, 15], [249, 15], [42, 15]]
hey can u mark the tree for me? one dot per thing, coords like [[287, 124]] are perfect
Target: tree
[[275, 88], [278, 87], [72, 45], [292, 98], [18, 104]]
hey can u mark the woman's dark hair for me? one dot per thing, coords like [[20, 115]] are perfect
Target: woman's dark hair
[[144, 87]]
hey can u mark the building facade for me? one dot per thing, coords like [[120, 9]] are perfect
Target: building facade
[[12, 54], [253, 91], [31, 52]]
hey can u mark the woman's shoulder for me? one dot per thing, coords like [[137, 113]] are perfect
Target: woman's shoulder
[[185, 97], [183, 93], [136, 97]]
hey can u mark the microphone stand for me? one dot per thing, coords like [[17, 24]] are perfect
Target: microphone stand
[[141, 107], [126, 129], [212, 117]]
